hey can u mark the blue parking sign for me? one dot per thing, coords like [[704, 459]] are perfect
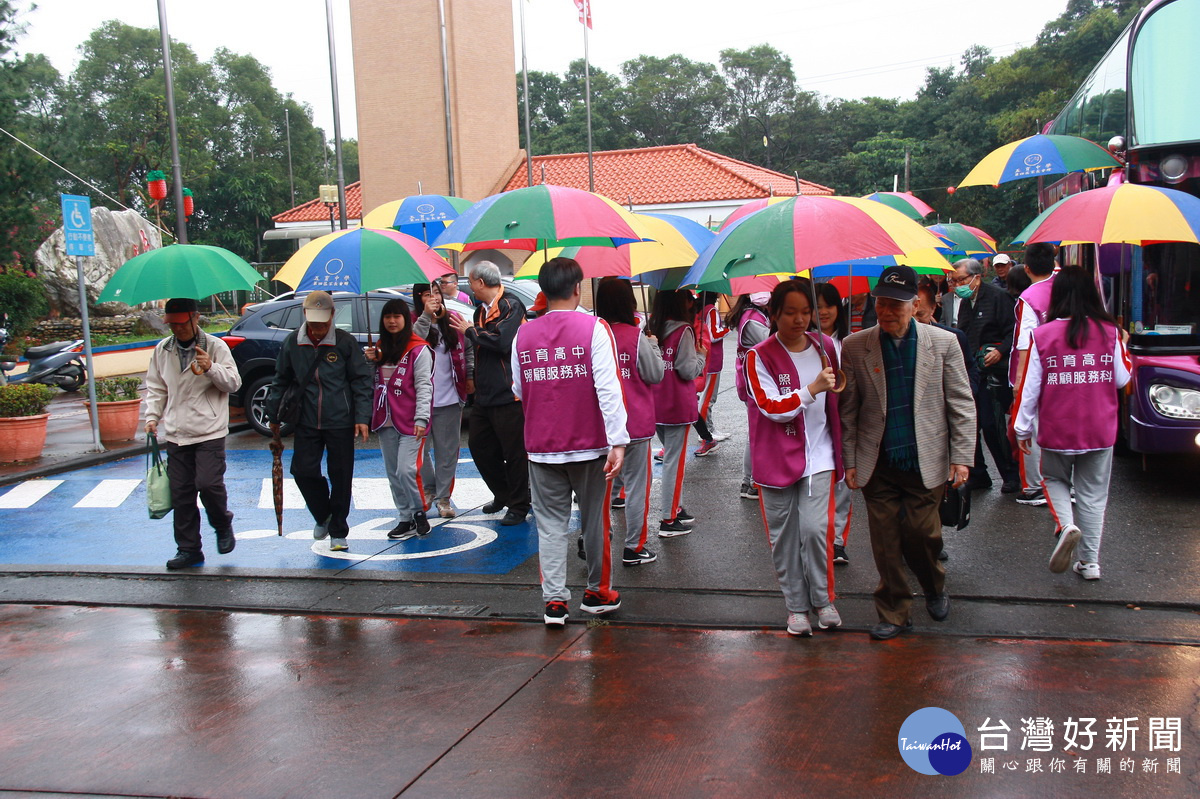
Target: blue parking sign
[[77, 224]]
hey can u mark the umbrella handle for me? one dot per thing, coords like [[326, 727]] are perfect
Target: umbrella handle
[[840, 384]]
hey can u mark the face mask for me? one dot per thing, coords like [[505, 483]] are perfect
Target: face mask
[[964, 291]]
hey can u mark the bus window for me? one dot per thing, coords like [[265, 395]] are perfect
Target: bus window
[[1164, 77], [1097, 111], [1171, 289]]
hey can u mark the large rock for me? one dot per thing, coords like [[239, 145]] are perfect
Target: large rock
[[119, 236]]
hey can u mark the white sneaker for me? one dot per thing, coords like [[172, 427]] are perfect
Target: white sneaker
[[719, 435], [1088, 571], [828, 617], [797, 624], [1060, 558]]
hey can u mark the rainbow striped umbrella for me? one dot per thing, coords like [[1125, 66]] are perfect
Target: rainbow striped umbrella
[[422, 216], [537, 218], [964, 243], [361, 260], [1123, 214], [665, 248], [750, 208], [1035, 156], [904, 202]]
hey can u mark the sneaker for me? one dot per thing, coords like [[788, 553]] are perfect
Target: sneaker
[[1034, 497], [669, 528], [1088, 571], [839, 554], [402, 532], [798, 624], [706, 447], [618, 503], [445, 509], [659, 454], [186, 559], [828, 617], [748, 491], [321, 530], [683, 516], [338, 545], [1060, 558], [579, 550], [719, 435], [556, 613], [598, 602], [421, 522], [495, 506], [636, 557]]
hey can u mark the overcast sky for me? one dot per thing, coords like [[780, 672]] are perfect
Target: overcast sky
[[841, 48]]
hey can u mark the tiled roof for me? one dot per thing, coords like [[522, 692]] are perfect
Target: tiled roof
[[677, 173], [316, 211]]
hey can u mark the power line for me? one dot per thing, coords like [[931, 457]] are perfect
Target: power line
[[898, 66]]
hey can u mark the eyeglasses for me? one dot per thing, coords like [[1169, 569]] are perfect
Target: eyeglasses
[[961, 281], [448, 281]]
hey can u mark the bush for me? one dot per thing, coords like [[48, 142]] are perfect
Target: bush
[[115, 389], [24, 399], [24, 300]]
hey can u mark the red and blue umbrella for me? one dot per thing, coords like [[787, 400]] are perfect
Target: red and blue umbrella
[[362, 260]]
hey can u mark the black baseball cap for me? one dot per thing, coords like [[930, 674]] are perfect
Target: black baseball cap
[[897, 283], [179, 309]]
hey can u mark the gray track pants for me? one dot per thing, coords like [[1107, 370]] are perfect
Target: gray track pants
[[799, 522], [674, 439], [551, 486], [747, 474], [637, 476], [841, 518], [445, 437], [401, 461], [1088, 473]]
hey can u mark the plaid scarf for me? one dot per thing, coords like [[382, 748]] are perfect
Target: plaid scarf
[[899, 428]]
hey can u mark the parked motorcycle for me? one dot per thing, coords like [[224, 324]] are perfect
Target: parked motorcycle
[[58, 364]]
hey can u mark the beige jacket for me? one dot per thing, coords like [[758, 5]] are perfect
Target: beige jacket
[[943, 409], [190, 408]]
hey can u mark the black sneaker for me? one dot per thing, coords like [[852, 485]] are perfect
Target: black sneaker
[[421, 523], [597, 602], [1035, 497], [748, 491], [684, 516], [402, 532], [556, 613], [632, 557], [186, 559], [618, 503], [579, 550], [669, 528], [839, 554]]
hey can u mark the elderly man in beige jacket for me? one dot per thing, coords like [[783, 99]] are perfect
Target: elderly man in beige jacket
[[908, 427], [188, 383]]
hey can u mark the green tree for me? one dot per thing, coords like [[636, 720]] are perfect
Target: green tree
[[762, 86], [608, 105], [547, 107], [672, 100]]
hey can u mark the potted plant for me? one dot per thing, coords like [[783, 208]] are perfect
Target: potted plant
[[118, 406], [23, 421]]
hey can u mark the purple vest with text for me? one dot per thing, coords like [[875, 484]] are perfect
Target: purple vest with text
[[458, 360], [674, 397], [396, 400], [639, 398], [753, 314], [778, 451], [1036, 297], [716, 347], [1078, 406], [558, 390]]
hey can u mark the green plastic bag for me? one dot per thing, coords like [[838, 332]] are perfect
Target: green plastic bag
[[158, 485]]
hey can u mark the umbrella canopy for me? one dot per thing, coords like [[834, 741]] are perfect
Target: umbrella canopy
[[361, 260], [277, 480], [1044, 154], [539, 217], [665, 248], [697, 235], [904, 202], [750, 208], [965, 243], [422, 216], [805, 232], [984, 236], [178, 270], [1122, 214]]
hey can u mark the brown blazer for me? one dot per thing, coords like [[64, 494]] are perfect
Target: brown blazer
[[943, 409]]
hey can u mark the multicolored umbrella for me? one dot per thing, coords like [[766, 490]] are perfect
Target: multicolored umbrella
[[537, 218], [965, 243], [750, 208], [698, 237], [665, 248], [1044, 154], [984, 236], [1121, 214], [361, 260], [904, 202], [801, 233], [178, 270], [422, 216]]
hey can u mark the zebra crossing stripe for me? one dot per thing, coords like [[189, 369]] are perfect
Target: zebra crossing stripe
[[109, 494], [23, 495]]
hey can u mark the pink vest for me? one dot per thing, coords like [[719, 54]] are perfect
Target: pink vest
[[458, 360], [778, 451], [557, 386], [716, 347], [1036, 297], [674, 397], [396, 401], [752, 314], [639, 398], [1077, 408]]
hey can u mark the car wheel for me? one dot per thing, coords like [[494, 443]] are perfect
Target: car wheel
[[256, 407]]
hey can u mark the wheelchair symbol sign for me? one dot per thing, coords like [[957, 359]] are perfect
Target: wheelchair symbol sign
[[77, 225]]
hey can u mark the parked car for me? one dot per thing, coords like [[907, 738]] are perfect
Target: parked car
[[256, 338], [525, 290]]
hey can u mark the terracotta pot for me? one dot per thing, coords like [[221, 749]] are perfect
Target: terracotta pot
[[118, 421], [22, 437]]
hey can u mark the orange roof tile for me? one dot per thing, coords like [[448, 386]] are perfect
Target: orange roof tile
[[677, 173], [316, 211]]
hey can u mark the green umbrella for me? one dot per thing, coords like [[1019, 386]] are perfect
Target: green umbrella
[[179, 270]]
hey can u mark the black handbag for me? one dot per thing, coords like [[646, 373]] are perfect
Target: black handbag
[[955, 509], [292, 401]]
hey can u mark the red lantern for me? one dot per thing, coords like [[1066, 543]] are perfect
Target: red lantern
[[189, 205], [156, 185], [950, 189]]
